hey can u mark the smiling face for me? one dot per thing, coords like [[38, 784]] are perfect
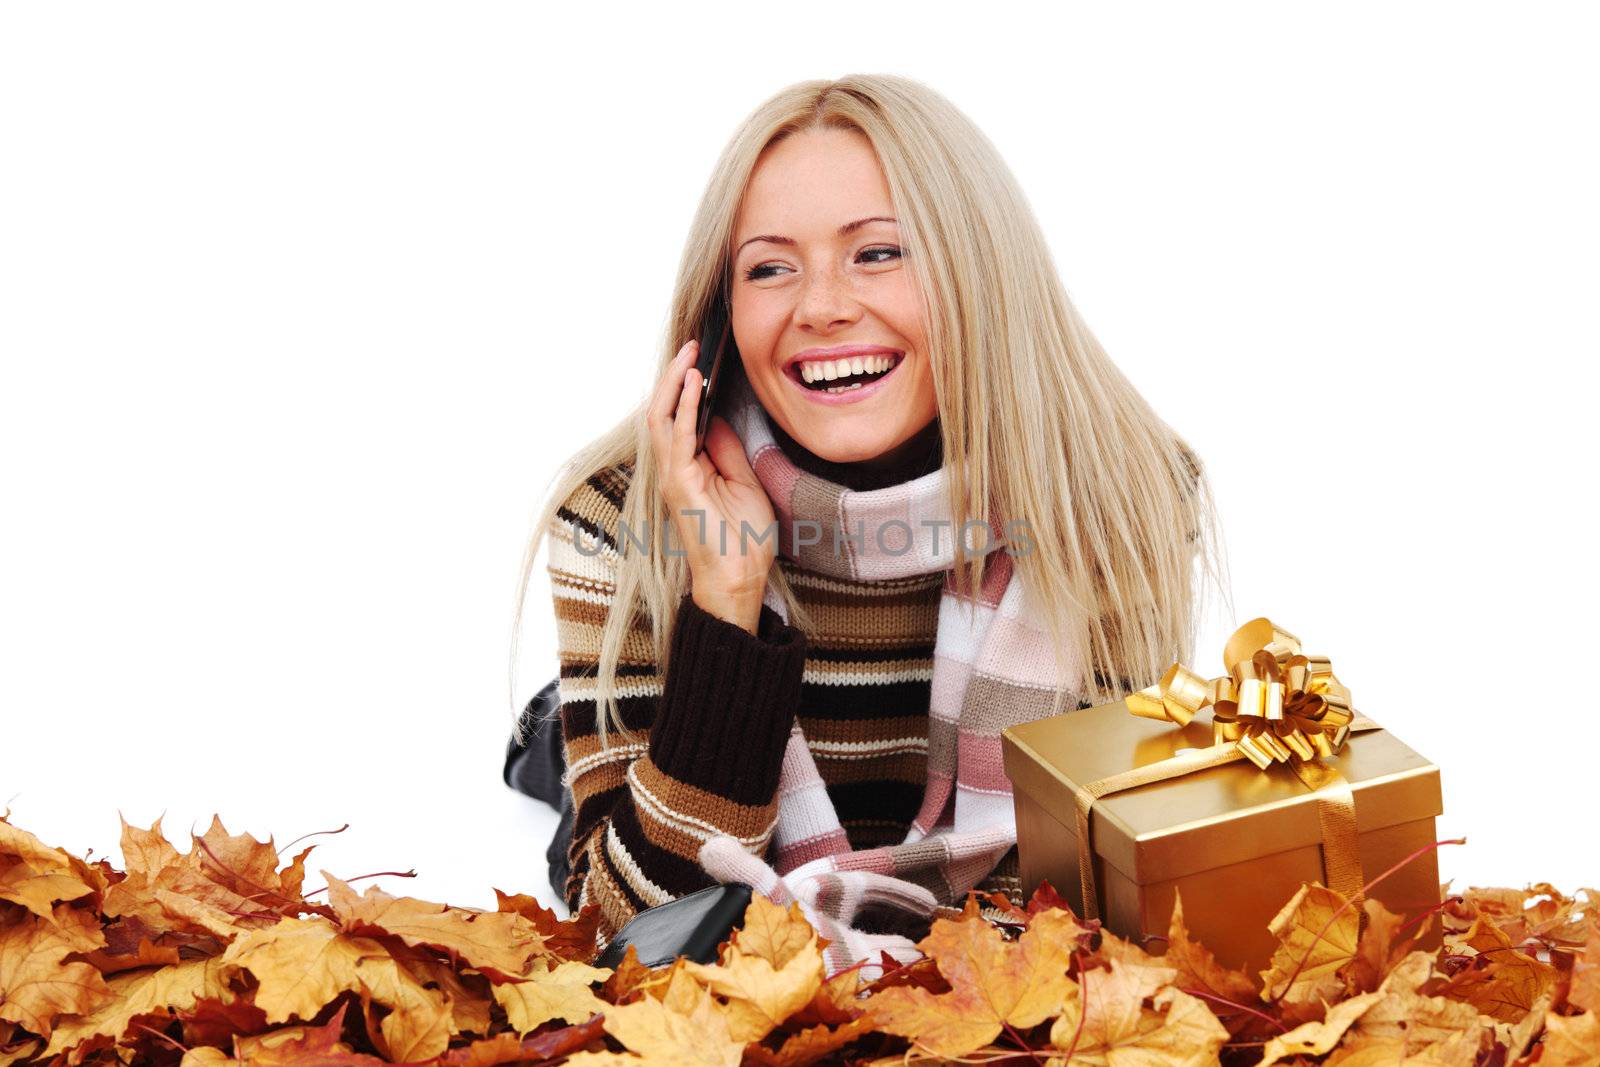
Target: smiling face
[[826, 316]]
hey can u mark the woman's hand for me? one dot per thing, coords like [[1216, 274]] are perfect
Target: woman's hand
[[709, 492]]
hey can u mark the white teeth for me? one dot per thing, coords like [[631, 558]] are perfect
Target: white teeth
[[831, 370]]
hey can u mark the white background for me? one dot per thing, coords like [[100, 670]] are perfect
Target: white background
[[301, 305]]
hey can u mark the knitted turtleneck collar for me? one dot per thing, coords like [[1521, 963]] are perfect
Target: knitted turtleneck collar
[[922, 454]]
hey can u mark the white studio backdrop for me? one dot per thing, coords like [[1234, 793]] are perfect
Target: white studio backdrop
[[301, 306]]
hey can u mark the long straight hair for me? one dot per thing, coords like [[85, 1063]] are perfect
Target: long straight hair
[[1037, 422]]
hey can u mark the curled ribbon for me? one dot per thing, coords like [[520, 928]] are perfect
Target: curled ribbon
[[1275, 705]]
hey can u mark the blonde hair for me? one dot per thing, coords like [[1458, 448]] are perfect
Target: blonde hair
[[1050, 430]]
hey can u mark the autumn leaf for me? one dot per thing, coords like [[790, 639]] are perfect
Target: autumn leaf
[[143, 992], [810, 1045], [1198, 968], [772, 969], [1105, 1019], [561, 993], [303, 964], [1502, 982], [39, 891], [38, 984], [497, 940], [1317, 933], [198, 891], [569, 939], [298, 1046], [1317, 1038], [22, 846], [509, 1048], [1379, 946], [1438, 1026], [993, 982], [1571, 1041], [661, 1036], [1585, 991], [629, 975]]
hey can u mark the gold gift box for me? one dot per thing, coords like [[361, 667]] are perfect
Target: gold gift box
[[1237, 841]]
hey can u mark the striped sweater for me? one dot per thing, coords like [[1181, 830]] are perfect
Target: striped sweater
[[714, 728]]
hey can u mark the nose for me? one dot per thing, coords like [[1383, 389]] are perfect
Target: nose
[[826, 302]]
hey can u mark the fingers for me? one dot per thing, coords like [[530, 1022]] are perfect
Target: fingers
[[666, 402], [727, 452], [683, 449]]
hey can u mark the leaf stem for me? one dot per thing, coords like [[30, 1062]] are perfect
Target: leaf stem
[[315, 833], [1341, 909], [375, 874]]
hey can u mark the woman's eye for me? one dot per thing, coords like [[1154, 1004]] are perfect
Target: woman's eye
[[766, 270]]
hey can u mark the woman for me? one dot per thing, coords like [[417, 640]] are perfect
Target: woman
[[817, 713]]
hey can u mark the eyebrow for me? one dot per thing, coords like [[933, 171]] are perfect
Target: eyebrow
[[844, 231]]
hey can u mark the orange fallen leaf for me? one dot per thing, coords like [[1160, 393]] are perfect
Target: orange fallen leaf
[[993, 983], [661, 1036], [561, 993], [1317, 932], [38, 984], [1105, 1019], [498, 940], [771, 969]]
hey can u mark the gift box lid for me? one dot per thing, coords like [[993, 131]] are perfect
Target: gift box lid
[[1211, 817]]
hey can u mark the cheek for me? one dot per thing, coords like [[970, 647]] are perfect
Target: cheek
[[757, 324], [903, 309]]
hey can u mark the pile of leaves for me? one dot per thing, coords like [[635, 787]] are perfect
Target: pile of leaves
[[218, 956]]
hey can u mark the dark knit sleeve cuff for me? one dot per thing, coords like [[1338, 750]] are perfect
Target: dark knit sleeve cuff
[[728, 703]]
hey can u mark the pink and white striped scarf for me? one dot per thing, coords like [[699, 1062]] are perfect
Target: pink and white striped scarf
[[992, 668]]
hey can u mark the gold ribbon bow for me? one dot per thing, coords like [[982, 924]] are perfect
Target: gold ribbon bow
[[1275, 705]]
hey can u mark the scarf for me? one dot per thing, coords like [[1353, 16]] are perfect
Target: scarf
[[992, 668]]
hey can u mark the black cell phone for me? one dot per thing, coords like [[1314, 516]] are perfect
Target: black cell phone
[[717, 352], [691, 926]]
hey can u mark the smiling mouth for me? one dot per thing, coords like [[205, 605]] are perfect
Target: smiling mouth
[[872, 369]]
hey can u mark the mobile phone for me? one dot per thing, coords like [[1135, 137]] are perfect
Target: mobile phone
[[716, 352]]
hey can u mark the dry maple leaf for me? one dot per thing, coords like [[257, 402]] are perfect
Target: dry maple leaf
[[38, 984], [18, 845], [561, 993], [509, 1048], [200, 891], [303, 964], [1585, 991], [298, 1046], [146, 992], [1317, 933], [1395, 1016], [568, 939], [771, 969], [1380, 946], [629, 975], [39, 891], [1571, 1041], [500, 941], [1104, 1019], [993, 983], [1444, 1029], [660, 1035], [1502, 982], [467, 992], [1198, 969], [809, 1045]]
